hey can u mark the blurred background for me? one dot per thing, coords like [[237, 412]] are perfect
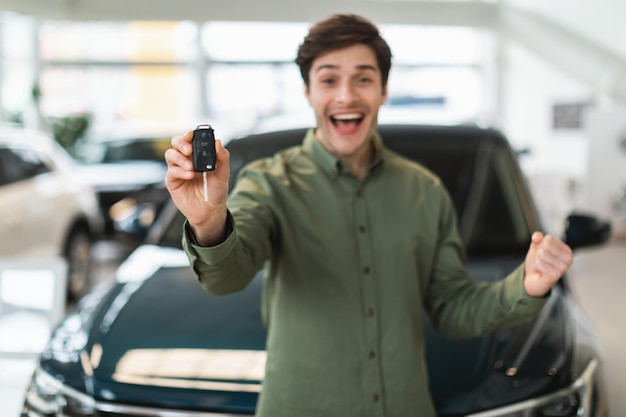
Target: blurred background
[[100, 77], [551, 76]]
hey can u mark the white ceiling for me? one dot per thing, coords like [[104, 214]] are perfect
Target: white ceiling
[[585, 41], [382, 11]]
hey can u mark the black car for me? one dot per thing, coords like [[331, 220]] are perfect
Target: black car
[[154, 343]]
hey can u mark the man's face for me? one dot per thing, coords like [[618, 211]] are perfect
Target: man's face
[[346, 91]]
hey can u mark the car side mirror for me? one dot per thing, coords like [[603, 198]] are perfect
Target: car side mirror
[[584, 230]]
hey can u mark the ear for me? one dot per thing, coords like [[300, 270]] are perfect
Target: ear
[[307, 92]]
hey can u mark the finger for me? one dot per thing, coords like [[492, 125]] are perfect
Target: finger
[[182, 143], [222, 160], [548, 275], [557, 249], [551, 266], [221, 152], [174, 158], [176, 173]]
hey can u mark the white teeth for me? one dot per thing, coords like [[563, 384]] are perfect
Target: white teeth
[[347, 116]]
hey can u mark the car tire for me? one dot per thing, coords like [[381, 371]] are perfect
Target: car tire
[[78, 257]]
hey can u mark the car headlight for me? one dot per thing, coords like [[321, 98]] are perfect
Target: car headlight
[[574, 401], [48, 397]]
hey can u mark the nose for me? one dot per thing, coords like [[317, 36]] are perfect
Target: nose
[[346, 92]]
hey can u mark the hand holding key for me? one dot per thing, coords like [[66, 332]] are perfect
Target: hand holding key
[[200, 196]]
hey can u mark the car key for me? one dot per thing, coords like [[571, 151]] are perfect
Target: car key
[[203, 143], [204, 155]]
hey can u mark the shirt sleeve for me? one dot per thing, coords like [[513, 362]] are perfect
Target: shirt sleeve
[[231, 265], [214, 265], [460, 307]]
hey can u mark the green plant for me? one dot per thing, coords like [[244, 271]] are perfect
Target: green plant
[[68, 129]]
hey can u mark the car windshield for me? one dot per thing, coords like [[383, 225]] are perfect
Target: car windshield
[[123, 150], [477, 167], [480, 178]]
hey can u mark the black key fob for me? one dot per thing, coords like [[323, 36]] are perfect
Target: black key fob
[[203, 144]]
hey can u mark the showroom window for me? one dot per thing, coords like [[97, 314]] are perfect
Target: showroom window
[[118, 70], [429, 81], [438, 71], [234, 74], [17, 65]]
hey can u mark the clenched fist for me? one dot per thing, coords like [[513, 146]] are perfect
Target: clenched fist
[[546, 261]]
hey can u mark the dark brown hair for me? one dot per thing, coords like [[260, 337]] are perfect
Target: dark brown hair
[[341, 31]]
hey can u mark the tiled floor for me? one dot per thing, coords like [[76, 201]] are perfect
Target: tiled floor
[[598, 278], [14, 377], [15, 370]]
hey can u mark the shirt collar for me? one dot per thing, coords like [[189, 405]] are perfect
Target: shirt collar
[[329, 163]]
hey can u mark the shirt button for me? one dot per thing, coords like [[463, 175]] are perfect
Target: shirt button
[[362, 229], [372, 354], [366, 269], [370, 312], [376, 398]]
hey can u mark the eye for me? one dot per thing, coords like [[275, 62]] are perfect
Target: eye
[[327, 81]]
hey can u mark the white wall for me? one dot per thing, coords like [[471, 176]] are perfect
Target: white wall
[[567, 169], [532, 87], [602, 21], [606, 131], [557, 160]]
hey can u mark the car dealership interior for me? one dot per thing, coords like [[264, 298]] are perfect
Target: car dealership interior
[[115, 77]]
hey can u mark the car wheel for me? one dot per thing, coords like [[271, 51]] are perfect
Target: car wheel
[[78, 257]]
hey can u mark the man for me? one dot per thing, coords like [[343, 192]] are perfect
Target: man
[[360, 241]]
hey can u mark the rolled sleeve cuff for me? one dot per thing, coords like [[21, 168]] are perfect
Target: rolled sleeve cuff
[[209, 255]]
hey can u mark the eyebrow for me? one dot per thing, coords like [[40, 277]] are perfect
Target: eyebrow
[[334, 67]]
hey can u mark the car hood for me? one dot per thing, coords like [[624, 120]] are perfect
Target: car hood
[[122, 176], [155, 338]]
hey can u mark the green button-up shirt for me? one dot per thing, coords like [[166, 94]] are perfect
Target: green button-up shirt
[[352, 267]]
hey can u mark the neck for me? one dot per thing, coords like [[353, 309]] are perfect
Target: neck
[[358, 164]]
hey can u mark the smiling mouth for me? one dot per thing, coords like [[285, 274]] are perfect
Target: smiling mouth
[[347, 120]]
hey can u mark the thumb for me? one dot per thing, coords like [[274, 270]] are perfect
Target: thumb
[[535, 240]]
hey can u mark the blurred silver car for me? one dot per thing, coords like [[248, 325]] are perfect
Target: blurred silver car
[[46, 212], [123, 165]]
